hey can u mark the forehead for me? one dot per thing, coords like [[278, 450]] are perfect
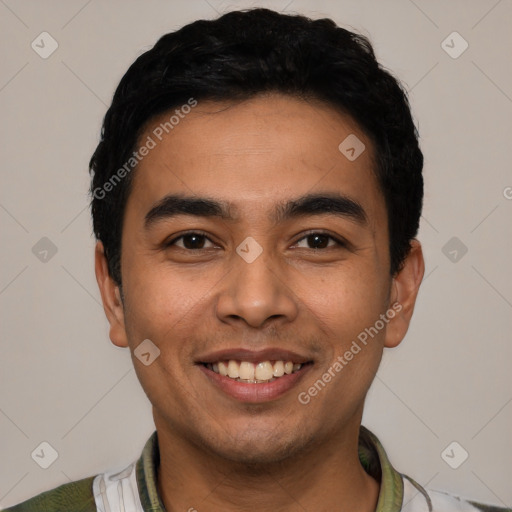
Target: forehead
[[254, 154]]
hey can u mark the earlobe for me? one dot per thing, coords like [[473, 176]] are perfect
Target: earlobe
[[111, 298], [406, 285]]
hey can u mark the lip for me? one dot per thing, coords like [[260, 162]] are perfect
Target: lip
[[256, 393], [254, 356]]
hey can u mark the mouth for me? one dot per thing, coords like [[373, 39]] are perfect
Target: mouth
[[255, 381]]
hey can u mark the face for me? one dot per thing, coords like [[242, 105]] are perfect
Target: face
[[286, 258]]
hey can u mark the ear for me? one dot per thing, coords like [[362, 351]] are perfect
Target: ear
[[405, 287], [111, 298]]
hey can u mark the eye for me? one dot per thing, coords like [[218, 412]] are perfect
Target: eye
[[196, 240], [320, 240], [193, 241]]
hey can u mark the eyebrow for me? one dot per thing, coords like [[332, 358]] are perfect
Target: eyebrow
[[311, 204]]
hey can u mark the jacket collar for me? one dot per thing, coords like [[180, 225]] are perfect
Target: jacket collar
[[371, 454]]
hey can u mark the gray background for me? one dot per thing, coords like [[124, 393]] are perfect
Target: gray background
[[63, 382]]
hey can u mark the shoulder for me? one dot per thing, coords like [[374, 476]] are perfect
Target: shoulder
[[74, 496], [418, 499]]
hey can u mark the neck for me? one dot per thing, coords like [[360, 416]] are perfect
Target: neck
[[325, 478]]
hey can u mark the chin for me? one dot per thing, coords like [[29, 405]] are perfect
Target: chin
[[255, 459], [263, 449]]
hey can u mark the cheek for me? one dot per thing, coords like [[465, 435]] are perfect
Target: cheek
[[164, 303], [348, 301], [349, 307], [162, 308], [348, 304]]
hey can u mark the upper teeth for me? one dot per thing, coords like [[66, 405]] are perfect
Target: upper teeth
[[262, 371]]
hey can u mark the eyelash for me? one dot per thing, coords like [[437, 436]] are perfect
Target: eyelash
[[339, 243]]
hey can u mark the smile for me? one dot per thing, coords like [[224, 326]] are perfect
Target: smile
[[255, 382]]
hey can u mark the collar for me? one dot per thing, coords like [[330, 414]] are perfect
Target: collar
[[371, 454]]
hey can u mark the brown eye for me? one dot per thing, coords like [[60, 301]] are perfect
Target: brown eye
[[190, 241], [319, 240]]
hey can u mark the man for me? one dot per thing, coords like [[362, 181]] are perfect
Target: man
[[256, 194]]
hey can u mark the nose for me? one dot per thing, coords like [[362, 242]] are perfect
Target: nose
[[256, 292]]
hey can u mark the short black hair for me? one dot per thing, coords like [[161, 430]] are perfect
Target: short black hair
[[245, 53]]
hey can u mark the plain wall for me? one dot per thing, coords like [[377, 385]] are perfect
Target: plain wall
[[61, 379]]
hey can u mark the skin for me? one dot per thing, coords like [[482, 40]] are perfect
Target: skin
[[218, 453]]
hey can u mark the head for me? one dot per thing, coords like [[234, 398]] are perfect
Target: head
[[243, 127]]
